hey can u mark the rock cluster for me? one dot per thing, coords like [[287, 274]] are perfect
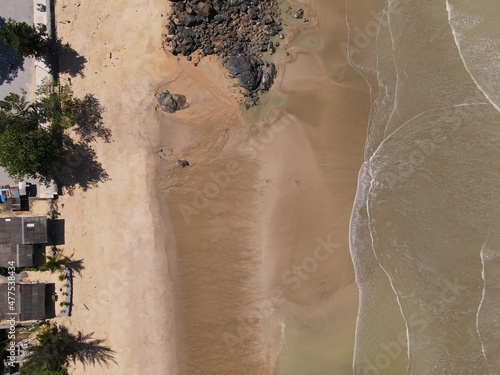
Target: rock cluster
[[239, 31], [171, 102]]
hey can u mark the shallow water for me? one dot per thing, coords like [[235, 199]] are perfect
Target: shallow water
[[265, 280], [424, 228]]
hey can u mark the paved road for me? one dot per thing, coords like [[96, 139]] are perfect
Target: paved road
[[21, 73], [23, 76]]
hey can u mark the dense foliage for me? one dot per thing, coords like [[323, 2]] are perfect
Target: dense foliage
[[26, 40], [26, 148], [56, 347]]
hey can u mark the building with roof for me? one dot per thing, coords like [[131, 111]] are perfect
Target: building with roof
[[28, 302], [22, 255], [23, 230]]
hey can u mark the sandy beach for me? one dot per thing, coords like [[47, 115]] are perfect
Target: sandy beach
[[125, 293], [241, 260]]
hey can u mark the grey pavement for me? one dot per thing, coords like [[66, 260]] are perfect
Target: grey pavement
[[23, 76], [15, 74]]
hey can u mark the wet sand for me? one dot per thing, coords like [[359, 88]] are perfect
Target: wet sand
[[264, 278], [244, 265]]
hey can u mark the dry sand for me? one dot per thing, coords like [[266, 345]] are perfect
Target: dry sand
[[188, 270], [125, 293]]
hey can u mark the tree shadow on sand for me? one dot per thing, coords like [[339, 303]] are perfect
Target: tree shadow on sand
[[10, 65], [76, 266], [56, 347], [69, 61], [80, 167], [88, 113], [92, 352]]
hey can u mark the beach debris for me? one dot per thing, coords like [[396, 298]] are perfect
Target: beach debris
[[236, 30], [183, 163], [299, 13], [171, 102]]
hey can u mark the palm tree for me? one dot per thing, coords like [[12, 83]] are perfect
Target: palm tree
[[56, 347], [55, 262]]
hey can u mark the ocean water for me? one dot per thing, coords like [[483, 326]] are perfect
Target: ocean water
[[425, 224]]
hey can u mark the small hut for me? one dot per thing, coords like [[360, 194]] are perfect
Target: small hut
[[23, 230], [27, 302]]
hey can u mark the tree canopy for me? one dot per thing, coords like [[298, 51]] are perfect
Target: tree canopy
[[26, 40], [27, 148], [55, 101], [56, 347]]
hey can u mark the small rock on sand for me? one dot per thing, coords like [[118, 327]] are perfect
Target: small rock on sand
[[171, 102]]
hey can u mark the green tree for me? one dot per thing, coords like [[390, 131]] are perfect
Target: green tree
[[55, 263], [56, 103], [26, 40], [25, 148], [56, 347]]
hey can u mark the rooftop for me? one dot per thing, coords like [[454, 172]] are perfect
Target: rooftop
[[23, 230]]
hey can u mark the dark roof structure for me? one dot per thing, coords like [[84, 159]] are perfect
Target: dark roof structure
[[28, 302], [21, 255], [23, 230]]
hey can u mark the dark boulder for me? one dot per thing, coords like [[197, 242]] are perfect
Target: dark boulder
[[252, 14], [183, 46], [204, 10], [171, 102], [268, 77], [185, 19], [268, 19], [246, 69], [221, 17], [238, 31]]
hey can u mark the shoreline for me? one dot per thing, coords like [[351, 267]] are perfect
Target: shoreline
[[198, 250]]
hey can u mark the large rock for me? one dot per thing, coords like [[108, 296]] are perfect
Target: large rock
[[246, 69], [238, 31], [204, 9], [185, 19], [171, 102], [268, 77]]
